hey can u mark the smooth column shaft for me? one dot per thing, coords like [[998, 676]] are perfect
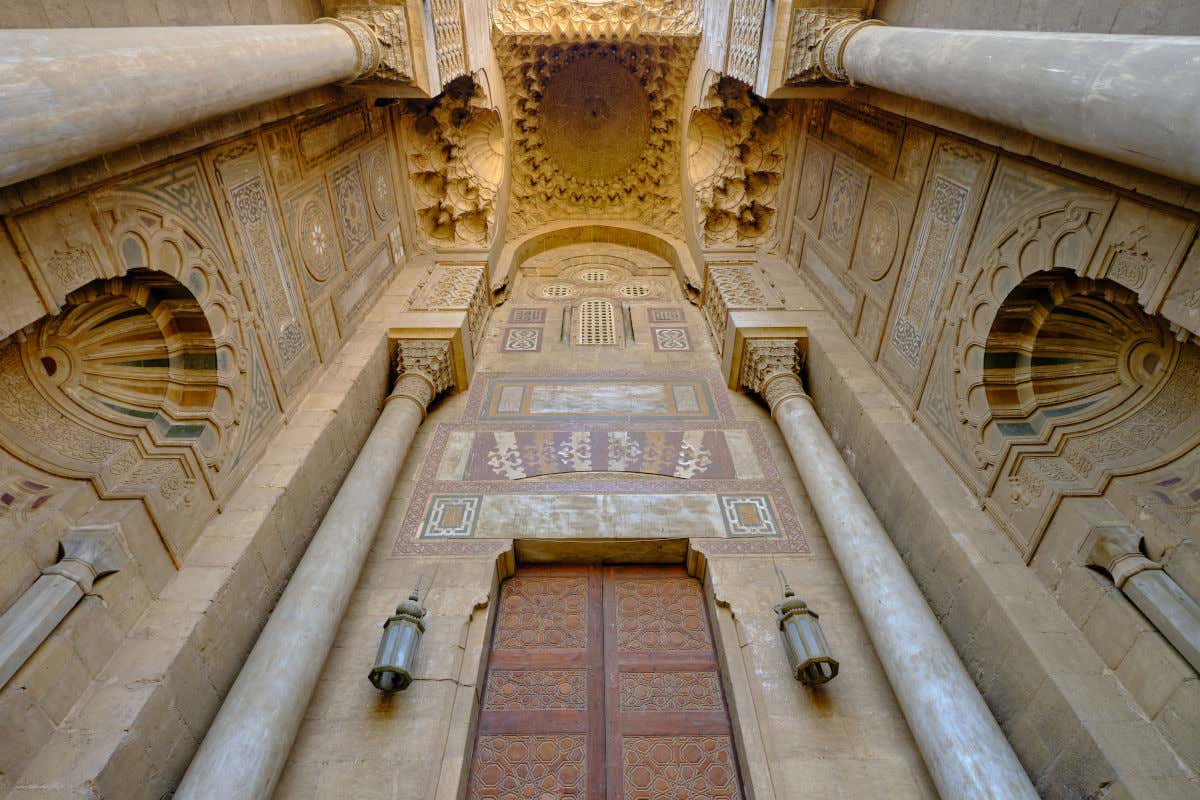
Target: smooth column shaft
[[1134, 99], [1172, 610], [247, 745], [34, 616], [963, 747], [71, 94]]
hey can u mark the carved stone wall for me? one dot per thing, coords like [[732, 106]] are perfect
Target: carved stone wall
[[737, 152], [1035, 324], [194, 303]]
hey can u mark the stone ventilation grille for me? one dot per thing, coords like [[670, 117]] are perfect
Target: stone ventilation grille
[[597, 323], [635, 290], [595, 276], [557, 290]]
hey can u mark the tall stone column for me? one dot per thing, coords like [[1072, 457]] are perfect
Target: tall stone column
[[963, 746], [248, 743], [1134, 99], [71, 94]]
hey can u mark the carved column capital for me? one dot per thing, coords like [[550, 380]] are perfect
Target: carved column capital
[[424, 369], [816, 42], [89, 552], [1117, 549], [381, 39], [770, 368]]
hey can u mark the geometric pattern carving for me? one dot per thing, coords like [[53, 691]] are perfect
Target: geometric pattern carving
[[455, 151], [456, 287], [522, 340], [527, 316], [737, 149], [671, 691], [451, 516], [679, 768], [542, 613], [665, 315], [513, 767], [514, 455], [544, 690], [663, 615], [670, 340], [748, 515]]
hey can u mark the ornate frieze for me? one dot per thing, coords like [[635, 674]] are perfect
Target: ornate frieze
[[585, 20], [733, 287]]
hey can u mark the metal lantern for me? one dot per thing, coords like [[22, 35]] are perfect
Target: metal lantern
[[807, 650], [398, 647]]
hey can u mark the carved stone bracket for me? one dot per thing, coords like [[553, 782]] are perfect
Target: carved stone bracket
[[381, 37], [816, 41]]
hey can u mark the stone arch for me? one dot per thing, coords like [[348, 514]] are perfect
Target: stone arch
[[186, 245], [555, 235], [120, 388]]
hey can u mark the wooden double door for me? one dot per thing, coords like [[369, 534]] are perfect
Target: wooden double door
[[603, 684]]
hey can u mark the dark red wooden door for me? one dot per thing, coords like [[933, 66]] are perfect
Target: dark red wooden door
[[603, 684]]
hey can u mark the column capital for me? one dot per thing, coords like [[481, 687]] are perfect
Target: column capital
[[433, 354], [1117, 549], [424, 369], [771, 369], [816, 40], [381, 39], [90, 552]]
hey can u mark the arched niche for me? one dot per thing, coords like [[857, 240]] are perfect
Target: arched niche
[[671, 250]]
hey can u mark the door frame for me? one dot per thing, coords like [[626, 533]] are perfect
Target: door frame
[[754, 770]]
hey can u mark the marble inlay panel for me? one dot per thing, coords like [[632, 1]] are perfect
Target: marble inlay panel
[[640, 396], [502, 471]]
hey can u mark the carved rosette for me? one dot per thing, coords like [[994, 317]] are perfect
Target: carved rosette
[[381, 40], [817, 41], [424, 369], [770, 368]]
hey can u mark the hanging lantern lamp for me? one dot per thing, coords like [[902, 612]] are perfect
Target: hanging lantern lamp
[[393, 670], [807, 650]]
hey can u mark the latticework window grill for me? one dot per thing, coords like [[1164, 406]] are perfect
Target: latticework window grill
[[597, 323], [595, 276], [557, 290], [635, 290]]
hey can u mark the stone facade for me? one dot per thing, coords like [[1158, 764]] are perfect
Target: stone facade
[[617, 238]]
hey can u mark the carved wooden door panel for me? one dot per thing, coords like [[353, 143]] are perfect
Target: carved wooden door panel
[[541, 721], [603, 684], [667, 728]]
